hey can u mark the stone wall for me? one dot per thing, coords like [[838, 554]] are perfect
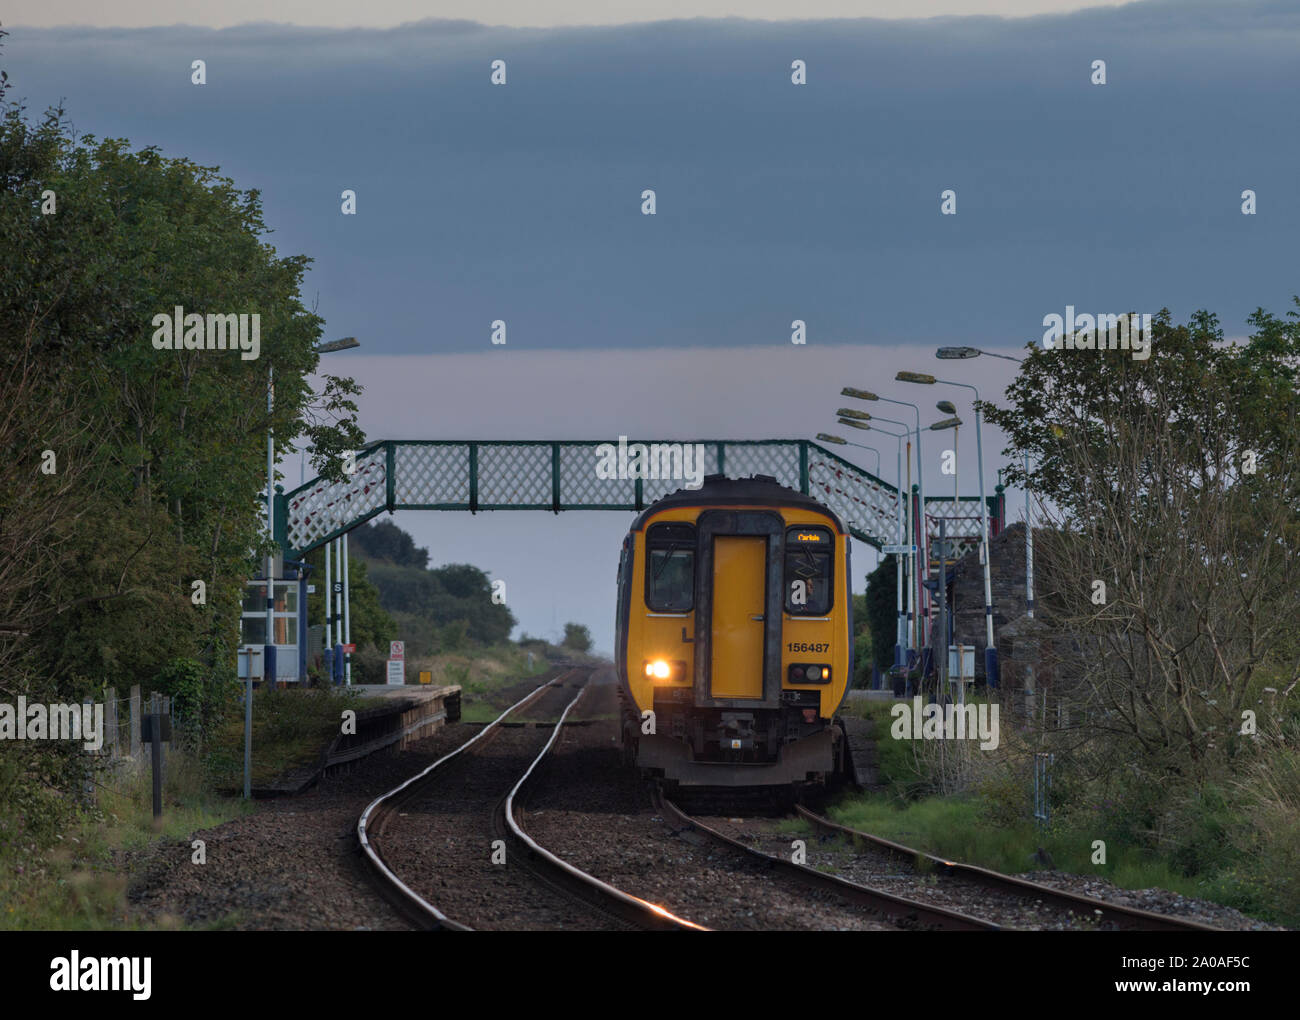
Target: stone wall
[[966, 591]]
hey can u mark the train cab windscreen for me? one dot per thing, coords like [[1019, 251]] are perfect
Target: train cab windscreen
[[808, 559], [670, 568]]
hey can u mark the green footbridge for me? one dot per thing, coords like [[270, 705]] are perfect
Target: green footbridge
[[415, 474]]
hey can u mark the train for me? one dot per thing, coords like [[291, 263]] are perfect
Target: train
[[733, 638]]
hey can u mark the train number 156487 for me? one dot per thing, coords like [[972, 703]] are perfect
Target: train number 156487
[[805, 646]]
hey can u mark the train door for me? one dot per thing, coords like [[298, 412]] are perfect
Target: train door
[[738, 610], [739, 617]]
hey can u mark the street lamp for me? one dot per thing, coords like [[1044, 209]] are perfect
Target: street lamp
[[948, 407], [990, 650], [902, 628], [825, 438], [922, 542], [950, 353], [330, 346], [268, 655], [343, 611], [961, 353], [268, 647]]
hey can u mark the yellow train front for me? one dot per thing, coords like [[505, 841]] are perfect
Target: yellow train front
[[733, 629]]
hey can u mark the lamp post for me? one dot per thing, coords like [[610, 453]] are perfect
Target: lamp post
[[903, 637], [268, 646], [343, 611], [961, 353], [949, 408], [900, 627], [923, 537], [953, 423], [838, 441], [990, 650]]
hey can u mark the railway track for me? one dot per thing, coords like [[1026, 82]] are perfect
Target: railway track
[[466, 802], [898, 910], [951, 873]]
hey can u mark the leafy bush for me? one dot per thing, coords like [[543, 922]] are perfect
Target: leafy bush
[[199, 695]]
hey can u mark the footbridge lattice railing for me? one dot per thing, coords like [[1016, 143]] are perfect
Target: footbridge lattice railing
[[401, 474]]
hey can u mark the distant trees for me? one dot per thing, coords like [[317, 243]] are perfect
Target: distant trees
[[442, 608], [577, 637], [384, 540], [369, 622]]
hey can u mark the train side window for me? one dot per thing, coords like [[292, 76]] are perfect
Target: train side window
[[670, 568], [809, 557]]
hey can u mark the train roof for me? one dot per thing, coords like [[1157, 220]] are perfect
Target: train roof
[[719, 490]]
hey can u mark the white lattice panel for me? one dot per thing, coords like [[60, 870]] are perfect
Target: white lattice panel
[[779, 461], [657, 488], [431, 475], [862, 501], [514, 475], [963, 517], [580, 484], [323, 508]]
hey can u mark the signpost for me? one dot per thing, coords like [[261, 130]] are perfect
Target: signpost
[[396, 671]]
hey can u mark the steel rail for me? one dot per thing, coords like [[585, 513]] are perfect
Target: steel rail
[[411, 903], [576, 883], [579, 883], [1125, 918], [909, 913]]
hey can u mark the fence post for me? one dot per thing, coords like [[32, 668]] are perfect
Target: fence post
[[135, 723], [111, 746], [155, 748], [88, 786]]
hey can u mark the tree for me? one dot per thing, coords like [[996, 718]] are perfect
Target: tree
[[155, 458], [577, 637], [1168, 568], [862, 644], [882, 610]]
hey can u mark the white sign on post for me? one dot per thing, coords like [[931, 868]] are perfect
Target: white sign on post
[[396, 671], [396, 650]]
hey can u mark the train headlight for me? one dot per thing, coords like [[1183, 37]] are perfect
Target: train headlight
[[658, 669]]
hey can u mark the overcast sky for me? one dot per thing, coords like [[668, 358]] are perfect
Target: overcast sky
[[775, 202], [387, 13]]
